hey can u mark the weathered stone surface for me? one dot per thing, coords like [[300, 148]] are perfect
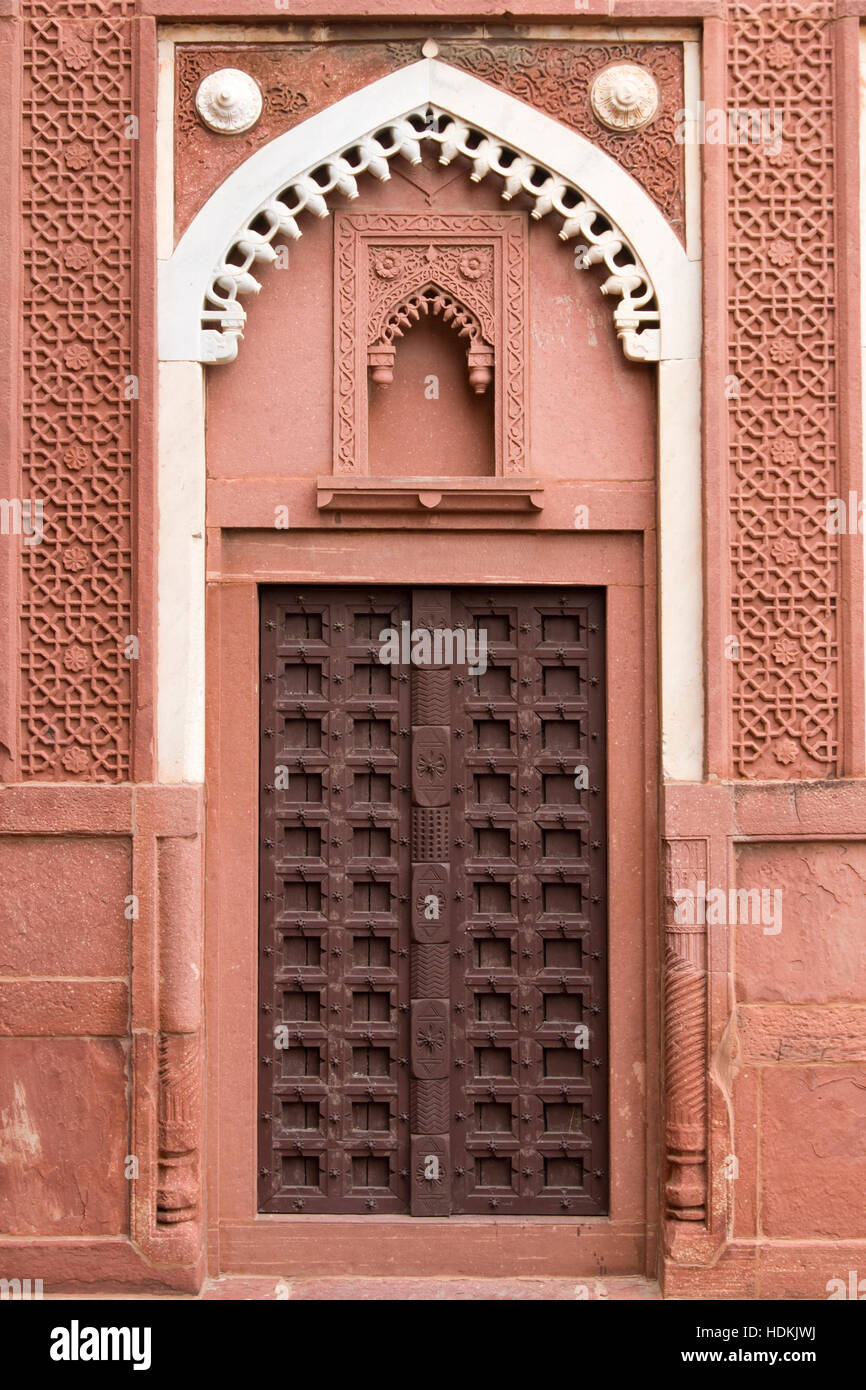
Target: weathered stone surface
[[818, 955], [789, 1033], [62, 906], [741, 1177], [813, 1152], [250, 1288], [787, 1270], [51, 1008], [63, 1129]]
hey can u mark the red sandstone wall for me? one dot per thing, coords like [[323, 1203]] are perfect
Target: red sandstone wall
[[84, 1003], [64, 1003]]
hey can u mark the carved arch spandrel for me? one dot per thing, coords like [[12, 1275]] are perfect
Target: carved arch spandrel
[[551, 166]]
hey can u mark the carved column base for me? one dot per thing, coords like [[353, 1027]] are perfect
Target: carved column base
[[685, 1189], [177, 1197]]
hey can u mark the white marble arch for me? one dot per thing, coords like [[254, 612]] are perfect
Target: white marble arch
[[187, 275]]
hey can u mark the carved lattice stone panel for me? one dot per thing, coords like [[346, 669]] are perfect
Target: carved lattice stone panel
[[78, 355], [391, 270], [784, 421]]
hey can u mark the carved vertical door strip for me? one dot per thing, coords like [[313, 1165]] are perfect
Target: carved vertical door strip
[[431, 917]]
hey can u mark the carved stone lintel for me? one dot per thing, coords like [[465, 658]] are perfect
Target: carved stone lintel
[[480, 495]]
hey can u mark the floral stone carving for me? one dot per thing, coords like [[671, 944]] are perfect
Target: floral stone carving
[[229, 101], [624, 97]]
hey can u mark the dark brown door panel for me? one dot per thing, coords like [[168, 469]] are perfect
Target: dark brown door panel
[[433, 1022]]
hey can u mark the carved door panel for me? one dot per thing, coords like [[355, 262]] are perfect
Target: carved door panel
[[433, 1029], [529, 1084], [334, 887]]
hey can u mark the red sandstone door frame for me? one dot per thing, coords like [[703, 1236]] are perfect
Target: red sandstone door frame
[[242, 1239], [652, 638]]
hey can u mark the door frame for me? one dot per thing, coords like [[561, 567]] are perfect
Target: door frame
[[241, 1239]]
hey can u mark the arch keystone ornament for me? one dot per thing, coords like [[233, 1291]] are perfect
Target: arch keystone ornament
[[213, 265]]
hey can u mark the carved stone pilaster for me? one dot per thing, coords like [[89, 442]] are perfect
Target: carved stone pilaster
[[685, 1024], [177, 1197], [179, 1039]]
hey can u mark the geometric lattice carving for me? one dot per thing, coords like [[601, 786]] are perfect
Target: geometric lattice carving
[[77, 348], [783, 446], [636, 316]]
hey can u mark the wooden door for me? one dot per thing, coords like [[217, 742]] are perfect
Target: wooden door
[[433, 1034]]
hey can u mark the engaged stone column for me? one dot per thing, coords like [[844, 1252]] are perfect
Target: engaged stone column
[[685, 995]]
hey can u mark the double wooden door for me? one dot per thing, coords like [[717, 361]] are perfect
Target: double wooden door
[[433, 1021]]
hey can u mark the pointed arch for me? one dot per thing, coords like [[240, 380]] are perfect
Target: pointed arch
[[423, 299], [397, 315], [587, 196], [615, 223]]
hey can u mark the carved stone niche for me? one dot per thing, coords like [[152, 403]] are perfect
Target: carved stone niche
[[392, 271]]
